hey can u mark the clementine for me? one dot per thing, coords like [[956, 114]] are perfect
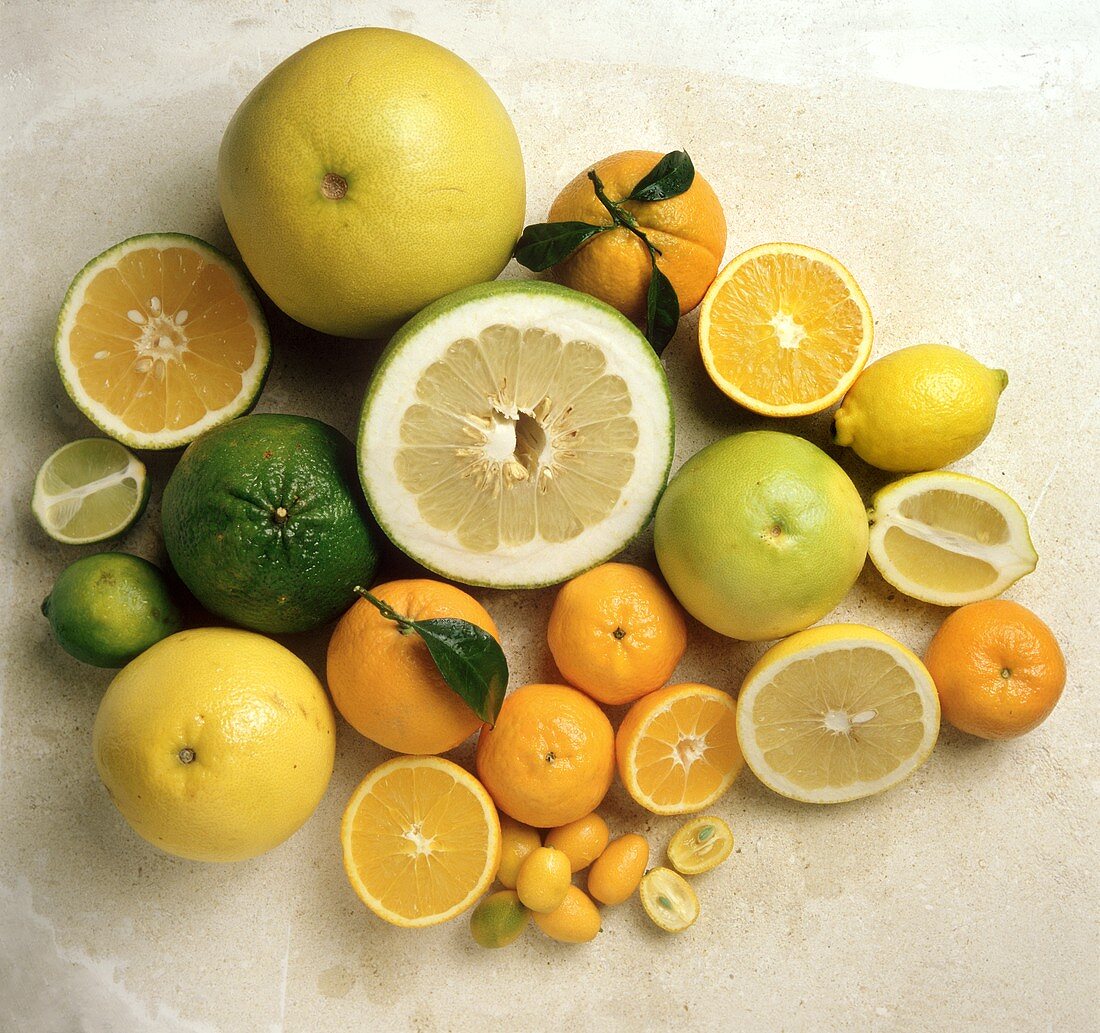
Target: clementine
[[550, 757], [998, 669], [616, 632]]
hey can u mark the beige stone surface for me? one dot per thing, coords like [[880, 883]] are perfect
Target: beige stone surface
[[947, 154]]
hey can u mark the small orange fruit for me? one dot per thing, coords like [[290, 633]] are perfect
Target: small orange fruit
[[677, 748], [616, 632], [550, 757], [689, 230], [785, 330], [998, 669], [543, 880], [575, 920], [517, 842], [617, 871], [582, 841], [386, 684]]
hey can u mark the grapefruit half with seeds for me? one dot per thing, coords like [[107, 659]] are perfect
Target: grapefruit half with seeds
[[160, 338], [515, 434]]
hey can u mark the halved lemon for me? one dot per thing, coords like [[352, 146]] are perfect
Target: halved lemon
[[515, 434], [159, 339], [89, 490], [421, 840], [949, 539], [677, 748], [785, 330], [835, 713]]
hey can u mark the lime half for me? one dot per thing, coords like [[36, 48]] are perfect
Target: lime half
[[515, 434], [89, 490]]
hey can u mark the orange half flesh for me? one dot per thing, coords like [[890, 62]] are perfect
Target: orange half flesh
[[785, 330], [421, 840], [160, 339], [677, 748]]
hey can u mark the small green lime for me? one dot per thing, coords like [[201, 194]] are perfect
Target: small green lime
[[499, 919], [265, 522], [108, 608]]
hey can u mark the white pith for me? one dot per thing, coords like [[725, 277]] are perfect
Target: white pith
[[839, 722], [1010, 557], [536, 561], [162, 339]]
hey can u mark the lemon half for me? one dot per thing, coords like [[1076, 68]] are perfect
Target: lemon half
[[949, 539]]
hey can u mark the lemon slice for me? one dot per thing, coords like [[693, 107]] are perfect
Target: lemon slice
[[159, 339], [668, 899], [88, 491], [949, 539], [835, 713], [515, 434], [421, 840], [785, 330]]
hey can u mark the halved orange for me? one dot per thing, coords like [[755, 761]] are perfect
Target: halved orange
[[421, 840], [677, 748], [785, 330], [161, 338]]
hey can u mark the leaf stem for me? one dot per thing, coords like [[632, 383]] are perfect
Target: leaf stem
[[620, 215], [385, 609]]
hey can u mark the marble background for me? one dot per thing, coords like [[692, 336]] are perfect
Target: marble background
[[947, 154]]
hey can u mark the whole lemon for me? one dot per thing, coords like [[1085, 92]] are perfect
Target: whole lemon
[[760, 534], [370, 173], [215, 744], [919, 408]]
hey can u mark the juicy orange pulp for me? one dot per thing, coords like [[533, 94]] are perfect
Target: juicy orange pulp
[[421, 840], [677, 748], [785, 330], [162, 337]]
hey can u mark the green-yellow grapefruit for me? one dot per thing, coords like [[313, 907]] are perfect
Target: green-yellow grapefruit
[[760, 535], [367, 175]]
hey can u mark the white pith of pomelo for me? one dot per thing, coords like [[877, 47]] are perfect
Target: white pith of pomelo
[[536, 394]]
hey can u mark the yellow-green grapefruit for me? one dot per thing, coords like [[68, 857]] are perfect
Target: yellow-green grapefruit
[[367, 175], [760, 534]]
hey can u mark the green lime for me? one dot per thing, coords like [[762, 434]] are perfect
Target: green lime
[[88, 491], [108, 608], [265, 522], [499, 919]]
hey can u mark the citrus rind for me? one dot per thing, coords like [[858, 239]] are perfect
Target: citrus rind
[[987, 549]]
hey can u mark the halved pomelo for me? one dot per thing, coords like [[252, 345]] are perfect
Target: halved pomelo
[[161, 338], [515, 434]]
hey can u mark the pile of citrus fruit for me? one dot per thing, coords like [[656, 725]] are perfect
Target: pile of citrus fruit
[[516, 435]]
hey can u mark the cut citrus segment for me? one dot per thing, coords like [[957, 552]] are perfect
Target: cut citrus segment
[[159, 339], [421, 840], [835, 713], [88, 491], [668, 900], [514, 434], [677, 748], [700, 845], [785, 330], [949, 539]]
